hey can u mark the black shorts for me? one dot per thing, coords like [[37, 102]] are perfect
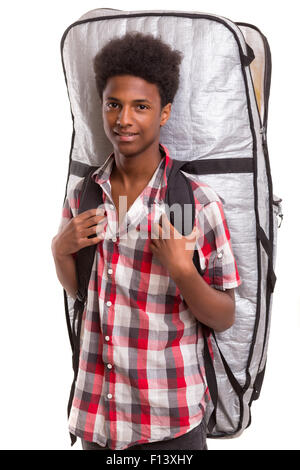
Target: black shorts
[[192, 440]]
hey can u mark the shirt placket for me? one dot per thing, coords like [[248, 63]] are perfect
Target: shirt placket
[[129, 227], [107, 331], [111, 244]]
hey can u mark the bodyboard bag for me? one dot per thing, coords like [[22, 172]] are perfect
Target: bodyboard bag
[[219, 116]]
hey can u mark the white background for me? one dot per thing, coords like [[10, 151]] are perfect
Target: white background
[[36, 370]]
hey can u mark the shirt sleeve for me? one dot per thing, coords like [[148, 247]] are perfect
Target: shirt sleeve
[[214, 247], [70, 207], [71, 204]]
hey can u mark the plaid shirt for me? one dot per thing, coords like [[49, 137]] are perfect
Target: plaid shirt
[[141, 372]]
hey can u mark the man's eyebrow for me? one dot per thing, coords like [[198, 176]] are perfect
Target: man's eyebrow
[[140, 100]]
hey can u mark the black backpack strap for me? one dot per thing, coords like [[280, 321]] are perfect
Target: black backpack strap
[[179, 191], [211, 379], [266, 243], [90, 198]]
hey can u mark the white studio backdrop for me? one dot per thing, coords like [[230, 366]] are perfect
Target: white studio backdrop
[[36, 369]]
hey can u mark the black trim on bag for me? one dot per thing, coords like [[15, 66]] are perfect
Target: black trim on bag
[[271, 274], [69, 326], [244, 61], [268, 70], [268, 247], [80, 169], [204, 167], [219, 166], [211, 378]]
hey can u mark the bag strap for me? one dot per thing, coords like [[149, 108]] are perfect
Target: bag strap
[[211, 378], [271, 276], [179, 190], [91, 197]]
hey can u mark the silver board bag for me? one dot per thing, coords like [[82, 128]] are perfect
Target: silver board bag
[[221, 111]]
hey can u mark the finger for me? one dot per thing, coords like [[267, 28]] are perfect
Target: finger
[[167, 227], [192, 234], [98, 229], [92, 241], [93, 221], [156, 231], [152, 246], [192, 237], [91, 213], [83, 242], [191, 240], [173, 232], [100, 211], [88, 213], [164, 221]]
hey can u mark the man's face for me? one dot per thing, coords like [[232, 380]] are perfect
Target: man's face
[[132, 114]]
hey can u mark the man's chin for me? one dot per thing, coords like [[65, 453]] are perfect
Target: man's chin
[[127, 150]]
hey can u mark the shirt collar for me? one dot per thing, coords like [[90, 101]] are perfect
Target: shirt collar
[[156, 189]]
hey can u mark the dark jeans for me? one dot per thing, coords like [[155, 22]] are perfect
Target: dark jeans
[[192, 440]]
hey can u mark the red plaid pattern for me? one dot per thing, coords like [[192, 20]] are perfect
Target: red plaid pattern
[[141, 372]]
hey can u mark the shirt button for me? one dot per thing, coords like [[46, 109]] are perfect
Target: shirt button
[[114, 239], [109, 396], [220, 255], [110, 271], [107, 338], [109, 366], [108, 303]]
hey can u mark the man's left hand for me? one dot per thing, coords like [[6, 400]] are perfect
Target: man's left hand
[[174, 250]]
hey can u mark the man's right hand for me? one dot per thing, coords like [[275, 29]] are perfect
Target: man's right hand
[[74, 235]]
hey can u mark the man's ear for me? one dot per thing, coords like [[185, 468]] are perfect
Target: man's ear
[[165, 114]]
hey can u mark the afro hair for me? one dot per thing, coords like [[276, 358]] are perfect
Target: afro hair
[[141, 55]]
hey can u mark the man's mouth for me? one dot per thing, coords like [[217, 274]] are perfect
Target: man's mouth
[[125, 136]]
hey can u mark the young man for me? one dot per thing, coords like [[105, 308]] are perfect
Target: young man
[[141, 382]]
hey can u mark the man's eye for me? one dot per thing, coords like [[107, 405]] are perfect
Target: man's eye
[[112, 105], [142, 106]]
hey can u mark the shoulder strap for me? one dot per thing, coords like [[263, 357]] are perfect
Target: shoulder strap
[[179, 191], [90, 198]]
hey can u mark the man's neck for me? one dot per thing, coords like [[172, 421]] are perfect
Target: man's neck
[[134, 171]]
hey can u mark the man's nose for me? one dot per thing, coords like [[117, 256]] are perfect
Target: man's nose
[[124, 117]]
